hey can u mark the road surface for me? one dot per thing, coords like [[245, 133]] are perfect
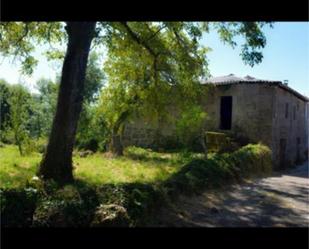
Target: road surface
[[278, 201]]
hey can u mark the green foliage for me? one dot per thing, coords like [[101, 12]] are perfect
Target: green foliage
[[147, 62], [19, 115], [135, 201], [4, 105], [29, 115], [216, 171], [20, 38], [43, 108], [190, 125], [257, 158], [17, 206], [92, 133], [62, 208], [94, 80]]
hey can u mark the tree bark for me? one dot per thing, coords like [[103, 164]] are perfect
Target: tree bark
[[116, 146], [57, 160]]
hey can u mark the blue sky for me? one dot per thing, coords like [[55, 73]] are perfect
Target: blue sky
[[286, 57]]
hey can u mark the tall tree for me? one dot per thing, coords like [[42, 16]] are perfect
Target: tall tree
[[4, 105], [19, 38], [19, 114], [57, 161], [43, 107]]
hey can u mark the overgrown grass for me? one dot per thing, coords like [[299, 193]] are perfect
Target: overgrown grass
[[133, 187], [98, 170], [138, 165], [15, 170]]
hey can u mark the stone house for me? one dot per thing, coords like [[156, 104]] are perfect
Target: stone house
[[263, 111]]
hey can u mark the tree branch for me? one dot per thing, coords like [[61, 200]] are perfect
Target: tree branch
[[23, 35], [137, 39], [153, 35]]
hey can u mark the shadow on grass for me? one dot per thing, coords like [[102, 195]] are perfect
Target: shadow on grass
[[141, 200]]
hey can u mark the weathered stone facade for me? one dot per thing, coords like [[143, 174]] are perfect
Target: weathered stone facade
[[262, 111]]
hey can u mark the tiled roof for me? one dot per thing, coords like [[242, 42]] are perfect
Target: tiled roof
[[232, 79]]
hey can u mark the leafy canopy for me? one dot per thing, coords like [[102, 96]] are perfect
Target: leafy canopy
[[148, 63], [151, 64]]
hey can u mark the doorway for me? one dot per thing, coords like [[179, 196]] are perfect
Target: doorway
[[226, 112]]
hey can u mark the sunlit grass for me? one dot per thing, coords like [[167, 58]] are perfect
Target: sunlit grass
[[16, 169], [138, 165], [97, 169]]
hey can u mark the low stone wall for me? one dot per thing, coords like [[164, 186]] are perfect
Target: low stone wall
[[142, 137]]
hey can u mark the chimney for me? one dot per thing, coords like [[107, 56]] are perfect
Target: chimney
[[286, 82]]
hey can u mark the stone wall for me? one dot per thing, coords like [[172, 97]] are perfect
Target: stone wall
[[292, 128], [251, 110], [258, 114], [139, 133]]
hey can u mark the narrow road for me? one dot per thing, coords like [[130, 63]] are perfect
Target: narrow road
[[277, 201]]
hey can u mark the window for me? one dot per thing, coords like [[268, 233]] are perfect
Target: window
[[226, 112], [286, 110]]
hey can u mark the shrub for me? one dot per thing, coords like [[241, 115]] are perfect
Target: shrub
[[17, 206], [189, 126], [220, 169], [7, 136], [253, 159], [131, 204], [40, 145], [140, 201], [63, 208], [111, 215]]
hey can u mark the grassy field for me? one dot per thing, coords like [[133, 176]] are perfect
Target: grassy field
[[138, 183], [138, 165]]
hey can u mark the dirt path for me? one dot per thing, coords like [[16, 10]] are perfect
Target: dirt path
[[281, 200]]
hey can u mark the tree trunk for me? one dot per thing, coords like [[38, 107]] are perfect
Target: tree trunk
[[19, 145], [57, 160], [116, 146]]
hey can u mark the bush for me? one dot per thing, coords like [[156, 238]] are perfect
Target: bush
[[252, 159], [17, 206], [7, 136], [111, 215], [40, 145], [63, 208], [220, 169], [189, 126], [131, 204], [140, 201]]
